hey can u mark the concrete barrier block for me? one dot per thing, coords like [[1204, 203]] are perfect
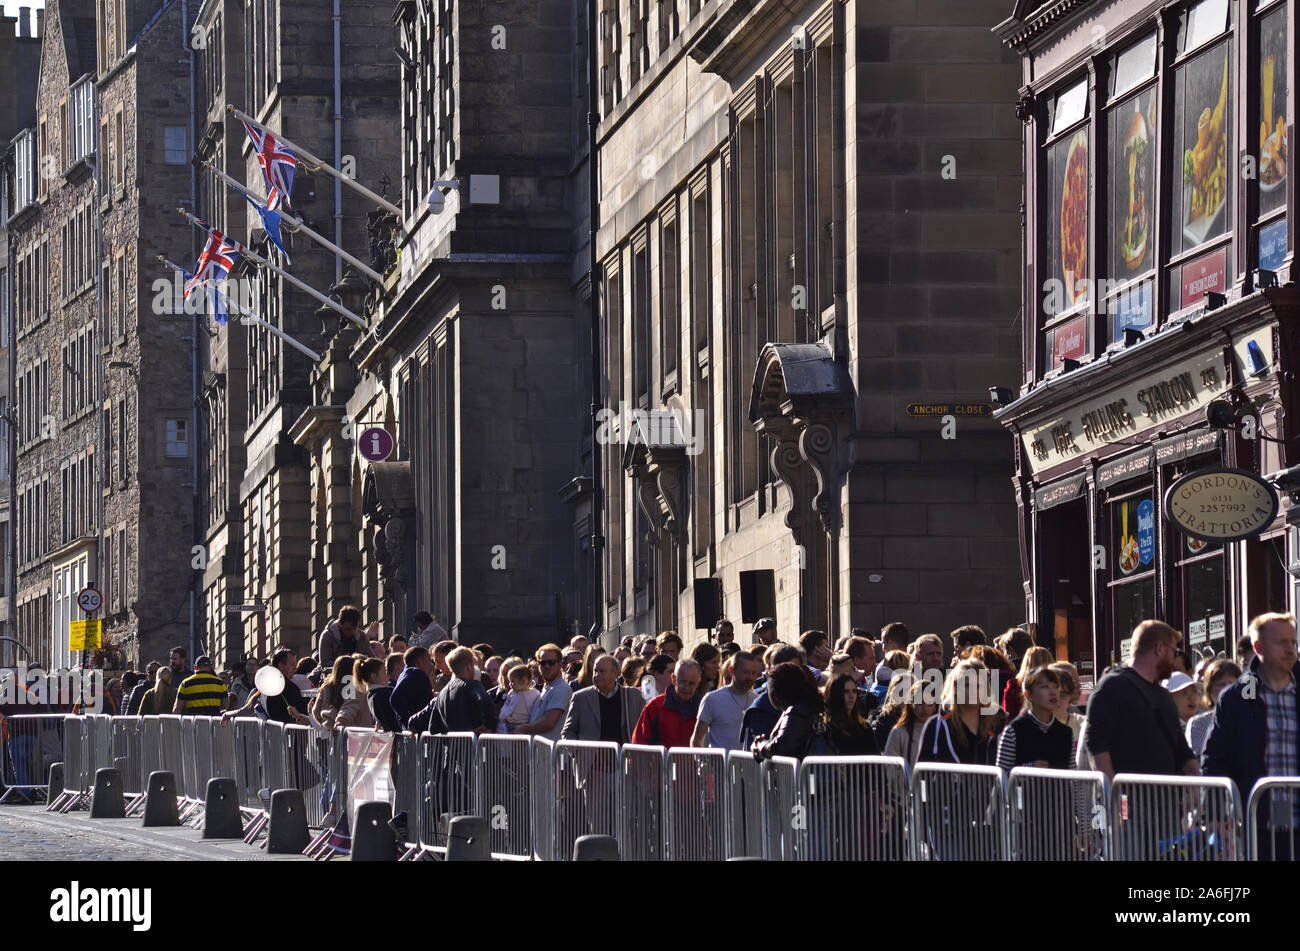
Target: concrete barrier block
[[288, 833], [56, 782], [107, 801], [467, 840], [160, 800], [221, 818], [373, 839], [595, 848]]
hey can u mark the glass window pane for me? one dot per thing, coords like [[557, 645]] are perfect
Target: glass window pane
[[1202, 129], [1067, 216], [1133, 153], [1134, 602], [1071, 106], [1133, 535], [1205, 21], [1273, 156], [1134, 65], [1203, 590]]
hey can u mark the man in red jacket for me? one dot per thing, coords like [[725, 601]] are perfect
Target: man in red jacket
[[669, 719]]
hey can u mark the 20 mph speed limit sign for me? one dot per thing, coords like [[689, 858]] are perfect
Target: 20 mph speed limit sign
[[89, 600]]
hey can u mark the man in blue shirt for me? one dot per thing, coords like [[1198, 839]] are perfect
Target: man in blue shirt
[[549, 711]]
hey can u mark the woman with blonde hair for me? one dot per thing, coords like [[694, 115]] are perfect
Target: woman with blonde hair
[[1216, 678], [586, 676], [161, 697], [1013, 697], [961, 732]]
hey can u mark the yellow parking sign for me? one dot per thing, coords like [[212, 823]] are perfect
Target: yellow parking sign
[[85, 635]]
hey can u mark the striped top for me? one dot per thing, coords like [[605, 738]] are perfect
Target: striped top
[[203, 693]]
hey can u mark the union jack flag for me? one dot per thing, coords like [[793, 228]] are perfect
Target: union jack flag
[[218, 257], [278, 162]]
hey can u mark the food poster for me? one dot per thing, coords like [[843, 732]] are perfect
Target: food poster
[[1133, 126], [1203, 127], [1068, 212], [1271, 143], [1135, 535]]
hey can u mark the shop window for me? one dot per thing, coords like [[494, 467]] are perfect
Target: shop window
[[1273, 156], [1065, 585], [1203, 117], [1069, 183], [1134, 125], [1132, 558]]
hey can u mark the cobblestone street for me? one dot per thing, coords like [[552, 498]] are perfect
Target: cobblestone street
[[29, 833]]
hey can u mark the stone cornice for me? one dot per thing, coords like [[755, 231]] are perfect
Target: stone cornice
[[1016, 31]]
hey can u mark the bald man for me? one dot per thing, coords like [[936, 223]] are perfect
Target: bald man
[[607, 711]]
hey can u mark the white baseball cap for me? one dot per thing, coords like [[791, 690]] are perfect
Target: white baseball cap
[[1178, 681]]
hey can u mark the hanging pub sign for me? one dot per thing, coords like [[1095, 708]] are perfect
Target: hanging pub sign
[[1221, 505]]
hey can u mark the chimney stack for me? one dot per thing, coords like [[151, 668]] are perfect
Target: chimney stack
[[40, 22], [24, 21]]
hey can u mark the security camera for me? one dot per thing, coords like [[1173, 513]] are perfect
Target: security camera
[[437, 201]]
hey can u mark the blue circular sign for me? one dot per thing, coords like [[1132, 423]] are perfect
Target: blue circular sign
[[1146, 531]]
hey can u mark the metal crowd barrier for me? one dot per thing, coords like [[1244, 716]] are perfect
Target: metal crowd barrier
[[1056, 815], [543, 810], [744, 789], [854, 808], [32, 743], [448, 785], [586, 793], [407, 771], [957, 813], [1272, 814], [538, 797], [696, 820], [781, 808], [505, 794], [128, 753], [642, 777], [249, 745], [1174, 819], [308, 768]]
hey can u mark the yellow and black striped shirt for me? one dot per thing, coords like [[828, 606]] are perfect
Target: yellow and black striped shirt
[[203, 693]]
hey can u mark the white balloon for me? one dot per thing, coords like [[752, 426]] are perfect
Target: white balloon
[[269, 682]]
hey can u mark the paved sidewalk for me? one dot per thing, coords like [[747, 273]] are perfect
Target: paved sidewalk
[[29, 833]]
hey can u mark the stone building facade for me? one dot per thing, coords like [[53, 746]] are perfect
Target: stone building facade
[[810, 242], [477, 363], [104, 462], [20, 56], [276, 61]]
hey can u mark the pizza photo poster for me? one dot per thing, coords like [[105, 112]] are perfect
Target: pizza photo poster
[[1068, 215]]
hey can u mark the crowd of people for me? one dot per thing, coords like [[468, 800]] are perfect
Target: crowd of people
[[1004, 701]]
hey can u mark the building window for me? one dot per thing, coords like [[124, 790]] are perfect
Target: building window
[[80, 135], [670, 299], [1132, 553], [178, 445], [25, 170], [1069, 186], [176, 152], [1274, 73], [119, 143]]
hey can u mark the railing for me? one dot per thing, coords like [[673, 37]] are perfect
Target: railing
[[539, 797]]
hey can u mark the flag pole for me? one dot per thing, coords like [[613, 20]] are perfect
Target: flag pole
[[315, 357], [299, 226], [258, 259], [355, 185]]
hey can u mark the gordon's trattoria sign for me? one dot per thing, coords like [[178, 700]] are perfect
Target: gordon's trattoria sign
[[1221, 505], [1127, 411]]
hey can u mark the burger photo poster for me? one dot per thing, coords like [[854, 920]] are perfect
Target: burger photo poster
[[1132, 177], [1068, 248], [1272, 143]]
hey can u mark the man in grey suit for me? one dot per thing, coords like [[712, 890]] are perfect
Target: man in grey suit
[[607, 711]]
